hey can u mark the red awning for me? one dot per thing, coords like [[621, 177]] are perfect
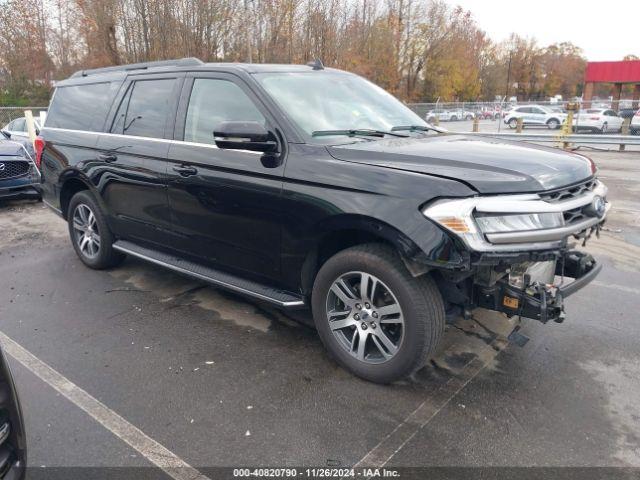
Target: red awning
[[613, 72]]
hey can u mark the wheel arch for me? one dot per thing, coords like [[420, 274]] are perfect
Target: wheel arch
[[347, 231], [73, 182]]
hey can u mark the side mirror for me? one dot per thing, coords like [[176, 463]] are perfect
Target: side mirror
[[6, 134], [245, 136]]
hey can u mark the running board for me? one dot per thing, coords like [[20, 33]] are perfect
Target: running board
[[225, 280]]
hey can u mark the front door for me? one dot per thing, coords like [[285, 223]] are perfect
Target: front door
[[225, 203], [132, 157]]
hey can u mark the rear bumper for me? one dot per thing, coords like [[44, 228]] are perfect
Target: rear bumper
[[537, 301]]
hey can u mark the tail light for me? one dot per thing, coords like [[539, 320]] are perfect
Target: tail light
[[38, 145]]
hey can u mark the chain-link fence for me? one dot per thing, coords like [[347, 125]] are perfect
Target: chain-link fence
[[8, 114], [468, 110], [598, 115]]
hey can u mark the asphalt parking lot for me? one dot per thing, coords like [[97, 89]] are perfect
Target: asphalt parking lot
[[221, 381]]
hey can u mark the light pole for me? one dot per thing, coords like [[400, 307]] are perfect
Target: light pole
[[506, 92], [248, 33]]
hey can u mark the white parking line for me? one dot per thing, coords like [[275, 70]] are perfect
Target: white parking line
[[157, 454], [390, 445]]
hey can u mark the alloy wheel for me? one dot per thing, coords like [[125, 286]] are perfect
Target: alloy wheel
[[365, 317], [86, 232]]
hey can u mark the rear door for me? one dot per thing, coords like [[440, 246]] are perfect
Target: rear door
[[132, 157], [226, 204]]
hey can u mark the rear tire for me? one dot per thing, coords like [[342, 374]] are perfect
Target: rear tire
[[396, 343], [605, 128], [553, 124], [90, 235]]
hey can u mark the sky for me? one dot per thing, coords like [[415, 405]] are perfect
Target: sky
[[604, 30]]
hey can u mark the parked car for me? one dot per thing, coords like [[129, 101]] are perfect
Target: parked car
[[535, 115], [634, 127], [19, 175], [443, 115], [627, 112], [13, 444], [597, 119], [16, 130], [490, 114], [380, 224], [462, 114]]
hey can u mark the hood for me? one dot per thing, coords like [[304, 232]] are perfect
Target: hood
[[9, 148], [488, 165]]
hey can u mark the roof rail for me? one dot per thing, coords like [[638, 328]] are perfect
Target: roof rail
[[180, 62]]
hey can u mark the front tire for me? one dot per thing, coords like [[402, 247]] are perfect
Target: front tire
[[375, 319], [90, 235], [513, 123], [553, 124]]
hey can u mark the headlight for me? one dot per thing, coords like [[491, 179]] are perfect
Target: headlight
[[520, 222], [516, 221], [460, 217]]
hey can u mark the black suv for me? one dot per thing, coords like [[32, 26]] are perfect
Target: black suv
[[305, 186]]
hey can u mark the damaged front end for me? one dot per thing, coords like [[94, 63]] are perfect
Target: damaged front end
[[520, 260], [537, 289]]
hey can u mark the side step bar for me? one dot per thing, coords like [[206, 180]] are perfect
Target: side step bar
[[215, 277]]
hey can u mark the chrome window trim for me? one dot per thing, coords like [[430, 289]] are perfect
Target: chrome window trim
[[150, 139]]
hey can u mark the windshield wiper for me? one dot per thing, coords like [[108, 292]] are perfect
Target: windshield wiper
[[417, 128], [368, 132]]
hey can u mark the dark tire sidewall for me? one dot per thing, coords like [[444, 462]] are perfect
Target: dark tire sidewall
[[106, 255], [416, 326]]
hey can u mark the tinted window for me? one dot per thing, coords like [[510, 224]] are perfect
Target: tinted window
[[81, 107], [523, 110], [145, 109], [214, 101]]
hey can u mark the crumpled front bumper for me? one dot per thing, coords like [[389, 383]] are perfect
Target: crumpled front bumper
[[538, 301]]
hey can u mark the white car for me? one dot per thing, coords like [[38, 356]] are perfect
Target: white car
[[635, 124], [597, 119], [443, 116], [535, 115], [462, 114], [17, 129]]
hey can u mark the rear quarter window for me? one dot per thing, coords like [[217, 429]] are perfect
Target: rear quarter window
[[81, 107]]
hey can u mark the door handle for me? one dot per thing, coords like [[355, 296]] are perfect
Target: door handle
[[185, 171], [108, 157]]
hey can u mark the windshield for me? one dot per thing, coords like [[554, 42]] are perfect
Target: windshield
[[326, 101]]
